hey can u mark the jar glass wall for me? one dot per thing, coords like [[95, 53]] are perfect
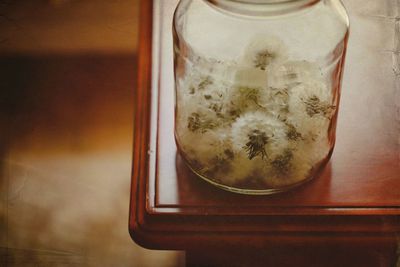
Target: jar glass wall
[[257, 89]]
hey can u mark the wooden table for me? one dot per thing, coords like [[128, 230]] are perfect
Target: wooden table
[[348, 216]]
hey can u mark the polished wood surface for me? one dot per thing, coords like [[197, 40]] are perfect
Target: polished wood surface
[[355, 199], [300, 256]]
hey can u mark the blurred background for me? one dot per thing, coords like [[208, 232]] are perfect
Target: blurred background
[[67, 77]]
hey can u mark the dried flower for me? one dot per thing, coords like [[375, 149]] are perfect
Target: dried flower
[[263, 59], [220, 164], [260, 122], [314, 106], [198, 122], [282, 163], [252, 95], [263, 52], [312, 98], [243, 99], [205, 82], [278, 102], [310, 110], [258, 134], [207, 149], [292, 133], [256, 144]]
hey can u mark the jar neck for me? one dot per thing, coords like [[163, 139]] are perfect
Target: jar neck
[[262, 7]]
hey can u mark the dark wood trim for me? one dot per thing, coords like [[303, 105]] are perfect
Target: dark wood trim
[[142, 94]]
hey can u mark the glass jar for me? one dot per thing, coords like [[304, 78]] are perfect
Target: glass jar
[[257, 87]]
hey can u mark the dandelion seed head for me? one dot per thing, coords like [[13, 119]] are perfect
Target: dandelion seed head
[[268, 129], [262, 52]]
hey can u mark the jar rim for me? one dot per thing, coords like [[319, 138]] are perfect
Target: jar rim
[[264, 2], [262, 7]]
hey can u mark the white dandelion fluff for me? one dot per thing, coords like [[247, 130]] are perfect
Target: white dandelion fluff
[[316, 150], [290, 167], [258, 135], [310, 108], [207, 149], [262, 52], [292, 73], [242, 169], [262, 122], [246, 98], [278, 101]]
